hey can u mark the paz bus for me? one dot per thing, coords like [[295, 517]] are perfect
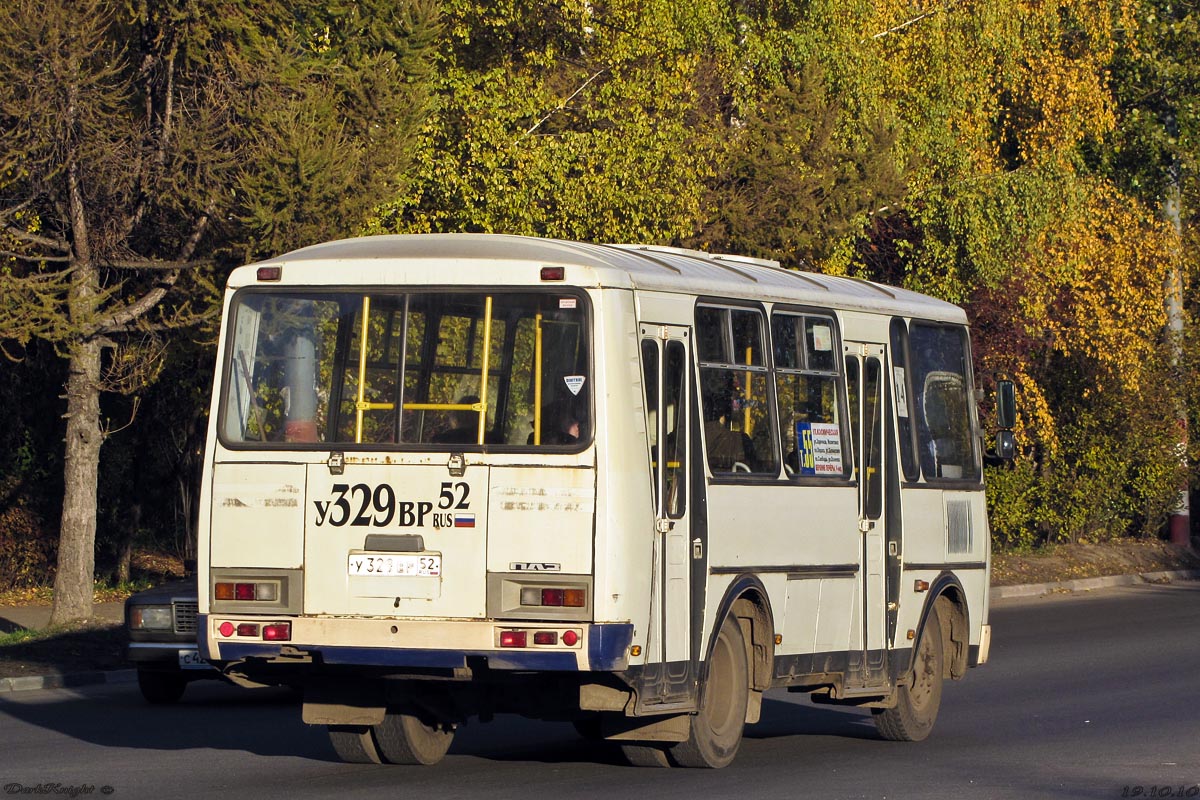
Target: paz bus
[[630, 487]]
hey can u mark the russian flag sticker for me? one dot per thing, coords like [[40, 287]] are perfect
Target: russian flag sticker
[[464, 520]]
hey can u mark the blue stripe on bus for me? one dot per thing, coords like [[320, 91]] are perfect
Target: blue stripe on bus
[[608, 646], [431, 659], [608, 650]]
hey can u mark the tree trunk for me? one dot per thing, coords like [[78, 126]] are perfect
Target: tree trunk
[[75, 579], [1179, 519]]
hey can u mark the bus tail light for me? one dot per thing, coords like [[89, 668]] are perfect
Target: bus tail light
[[277, 632], [512, 638], [509, 637], [262, 591], [269, 632], [554, 596]]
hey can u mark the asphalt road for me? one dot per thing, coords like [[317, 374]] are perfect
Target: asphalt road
[[1094, 696]]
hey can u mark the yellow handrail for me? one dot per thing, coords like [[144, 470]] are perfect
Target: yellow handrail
[[537, 379], [747, 425], [361, 405], [487, 354]]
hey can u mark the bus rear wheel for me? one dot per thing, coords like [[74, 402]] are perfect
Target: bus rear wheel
[[717, 727], [919, 694], [645, 755], [405, 738], [354, 744]]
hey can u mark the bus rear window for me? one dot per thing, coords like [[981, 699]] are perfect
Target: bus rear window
[[445, 370]]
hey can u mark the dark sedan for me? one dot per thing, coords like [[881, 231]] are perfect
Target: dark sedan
[[161, 623]]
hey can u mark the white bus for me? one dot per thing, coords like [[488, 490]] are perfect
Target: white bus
[[632, 487]]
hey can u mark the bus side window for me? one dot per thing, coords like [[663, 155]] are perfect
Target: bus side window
[[807, 380], [675, 442], [650, 386], [735, 390]]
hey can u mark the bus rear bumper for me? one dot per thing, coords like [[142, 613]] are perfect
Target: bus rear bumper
[[419, 644]]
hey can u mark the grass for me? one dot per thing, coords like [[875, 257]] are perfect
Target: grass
[[102, 592]]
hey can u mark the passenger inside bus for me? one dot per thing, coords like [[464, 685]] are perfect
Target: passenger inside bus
[[464, 424], [560, 425], [728, 450]]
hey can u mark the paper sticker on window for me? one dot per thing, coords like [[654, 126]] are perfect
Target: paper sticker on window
[[901, 394], [574, 383], [819, 448], [822, 338], [568, 302]]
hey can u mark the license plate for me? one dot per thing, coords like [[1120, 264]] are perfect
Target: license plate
[[190, 659], [391, 565]]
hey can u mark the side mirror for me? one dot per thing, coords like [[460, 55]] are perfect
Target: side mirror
[[1006, 445], [1006, 406]]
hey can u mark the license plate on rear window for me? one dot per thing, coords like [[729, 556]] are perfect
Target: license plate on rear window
[[392, 565]]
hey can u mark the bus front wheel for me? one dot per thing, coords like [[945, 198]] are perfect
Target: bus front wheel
[[919, 694], [405, 738], [717, 727]]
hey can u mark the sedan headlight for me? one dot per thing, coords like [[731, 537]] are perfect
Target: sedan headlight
[[157, 618]]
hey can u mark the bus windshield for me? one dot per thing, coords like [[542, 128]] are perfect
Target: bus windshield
[[443, 370]]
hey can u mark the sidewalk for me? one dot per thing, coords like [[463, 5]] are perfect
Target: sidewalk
[[35, 617], [16, 617]]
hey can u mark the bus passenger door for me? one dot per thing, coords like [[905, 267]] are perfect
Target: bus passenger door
[[868, 637], [665, 365]]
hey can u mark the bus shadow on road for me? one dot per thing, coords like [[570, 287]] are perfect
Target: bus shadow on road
[[260, 721], [792, 717], [512, 738]]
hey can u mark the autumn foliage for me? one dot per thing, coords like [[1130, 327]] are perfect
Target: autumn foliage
[[1035, 162]]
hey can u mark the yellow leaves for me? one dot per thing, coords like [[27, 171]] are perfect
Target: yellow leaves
[[1096, 285]]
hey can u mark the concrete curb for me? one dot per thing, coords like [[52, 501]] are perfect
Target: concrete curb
[[40, 682], [31, 683], [1091, 584]]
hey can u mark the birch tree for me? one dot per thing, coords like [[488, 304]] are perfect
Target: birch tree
[[146, 143]]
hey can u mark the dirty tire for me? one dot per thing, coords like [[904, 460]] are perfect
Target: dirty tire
[[405, 738], [161, 688], [717, 726], [645, 755], [354, 744], [919, 694]]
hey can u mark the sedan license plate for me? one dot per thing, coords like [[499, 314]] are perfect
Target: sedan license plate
[[390, 565], [190, 659]]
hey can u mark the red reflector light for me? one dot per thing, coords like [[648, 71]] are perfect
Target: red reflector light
[[243, 591], [554, 273], [223, 591], [247, 629], [277, 632], [226, 629], [512, 638], [270, 273], [545, 637], [552, 597], [570, 638]]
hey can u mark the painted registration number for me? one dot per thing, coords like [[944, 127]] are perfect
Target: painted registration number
[[390, 565]]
